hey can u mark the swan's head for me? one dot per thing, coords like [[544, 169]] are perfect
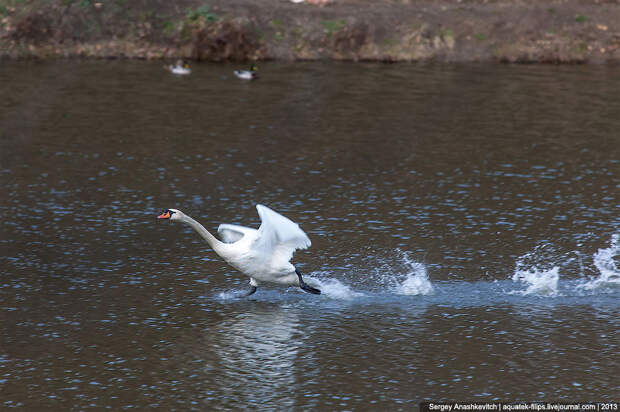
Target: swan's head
[[171, 214]]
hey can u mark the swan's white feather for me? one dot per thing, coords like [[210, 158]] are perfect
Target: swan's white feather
[[277, 230], [275, 242], [232, 233]]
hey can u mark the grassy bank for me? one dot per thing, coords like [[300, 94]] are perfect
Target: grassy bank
[[571, 31]]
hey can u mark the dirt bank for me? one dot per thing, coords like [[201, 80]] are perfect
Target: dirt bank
[[562, 31]]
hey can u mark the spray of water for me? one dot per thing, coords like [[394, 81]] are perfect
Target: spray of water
[[609, 278], [539, 282], [229, 295], [404, 276], [534, 271], [416, 282], [332, 288]]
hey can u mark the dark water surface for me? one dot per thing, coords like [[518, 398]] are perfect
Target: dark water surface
[[464, 221]]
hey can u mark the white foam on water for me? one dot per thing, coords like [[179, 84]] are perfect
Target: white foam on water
[[539, 282], [609, 278]]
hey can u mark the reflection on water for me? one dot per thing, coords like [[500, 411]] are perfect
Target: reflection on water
[[257, 357], [464, 225]]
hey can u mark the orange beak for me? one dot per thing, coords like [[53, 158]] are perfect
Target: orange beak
[[165, 215]]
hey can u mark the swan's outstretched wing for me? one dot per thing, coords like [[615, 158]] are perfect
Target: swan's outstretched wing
[[232, 233], [278, 237]]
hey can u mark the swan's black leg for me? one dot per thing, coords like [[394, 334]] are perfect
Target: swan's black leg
[[251, 291], [304, 286]]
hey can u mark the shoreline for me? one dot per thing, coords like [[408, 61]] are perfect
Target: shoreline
[[515, 31]]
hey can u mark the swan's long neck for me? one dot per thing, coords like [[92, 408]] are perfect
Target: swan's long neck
[[211, 240]]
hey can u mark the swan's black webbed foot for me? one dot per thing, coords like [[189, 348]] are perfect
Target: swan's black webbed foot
[[250, 292], [310, 289], [305, 287]]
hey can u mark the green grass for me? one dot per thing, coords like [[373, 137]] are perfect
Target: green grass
[[168, 28], [391, 42], [580, 19], [480, 36], [417, 27], [278, 25], [201, 12], [333, 25], [259, 34], [446, 33]]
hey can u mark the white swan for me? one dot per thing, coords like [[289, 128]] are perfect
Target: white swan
[[262, 254]]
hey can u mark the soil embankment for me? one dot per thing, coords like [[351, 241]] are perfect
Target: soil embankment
[[560, 31]]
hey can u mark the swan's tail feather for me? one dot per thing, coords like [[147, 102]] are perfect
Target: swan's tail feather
[[304, 286]]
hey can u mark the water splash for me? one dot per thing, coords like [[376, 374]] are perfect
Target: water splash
[[333, 288], [533, 269], [416, 282], [406, 277], [539, 282], [231, 295], [609, 278]]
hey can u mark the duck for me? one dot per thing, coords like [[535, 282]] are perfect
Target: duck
[[247, 74], [262, 254], [180, 67]]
